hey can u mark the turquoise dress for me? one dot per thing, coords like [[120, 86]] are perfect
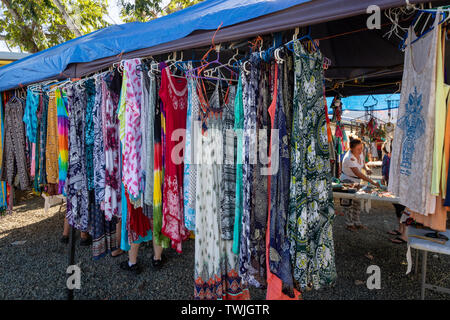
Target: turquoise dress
[[238, 127], [124, 245]]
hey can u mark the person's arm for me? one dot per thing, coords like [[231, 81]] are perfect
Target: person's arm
[[368, 170], [360, 175]]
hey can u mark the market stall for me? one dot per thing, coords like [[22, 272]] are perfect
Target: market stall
[[105, 141]]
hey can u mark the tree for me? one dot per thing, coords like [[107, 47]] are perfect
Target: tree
[[35, 25], [69, 21], [146, 10], [39, 24]]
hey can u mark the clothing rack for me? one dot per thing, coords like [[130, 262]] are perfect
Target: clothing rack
[[238, 64]]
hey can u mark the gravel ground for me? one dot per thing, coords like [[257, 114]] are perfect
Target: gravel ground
[[36, 269]]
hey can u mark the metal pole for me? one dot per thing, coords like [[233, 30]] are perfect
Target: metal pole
[[424, 273], [71, 257]]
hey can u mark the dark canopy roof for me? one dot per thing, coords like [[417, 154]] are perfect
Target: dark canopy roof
[[352, 55]]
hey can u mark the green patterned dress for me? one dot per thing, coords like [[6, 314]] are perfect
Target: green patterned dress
[[311, 209]]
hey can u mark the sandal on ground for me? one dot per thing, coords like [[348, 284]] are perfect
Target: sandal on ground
[[394, 233], [117, 255], [398, 240]]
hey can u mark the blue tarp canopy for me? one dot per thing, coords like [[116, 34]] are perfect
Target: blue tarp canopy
[[376, 102], [117, 39]]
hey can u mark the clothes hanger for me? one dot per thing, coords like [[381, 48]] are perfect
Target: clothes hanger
[[174, 60], [278, 59], [233, 58], [290, 44], [414, 23], [326, 63], [206, 64]]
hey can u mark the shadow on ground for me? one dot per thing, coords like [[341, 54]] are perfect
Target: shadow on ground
[[37, 268]]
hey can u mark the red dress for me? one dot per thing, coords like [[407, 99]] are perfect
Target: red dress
[[173, 93]]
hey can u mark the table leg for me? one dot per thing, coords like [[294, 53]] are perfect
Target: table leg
[[424, 274], [417, 262], [11, 200]]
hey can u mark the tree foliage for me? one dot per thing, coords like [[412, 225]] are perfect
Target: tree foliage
[[39, 24], [146, 10], [35, 25]]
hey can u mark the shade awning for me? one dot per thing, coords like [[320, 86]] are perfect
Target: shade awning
[[187, 29]]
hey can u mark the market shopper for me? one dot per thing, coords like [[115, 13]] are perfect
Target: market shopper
[[352, 164], [400, 233], [86, 239]]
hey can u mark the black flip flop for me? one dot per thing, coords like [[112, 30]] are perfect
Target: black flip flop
[[401, 241]]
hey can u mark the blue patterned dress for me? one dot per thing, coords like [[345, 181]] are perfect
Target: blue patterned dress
[[311, 205]]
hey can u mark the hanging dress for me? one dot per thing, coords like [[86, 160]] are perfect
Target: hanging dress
[[76, 181], [89, 132], [190, 169], [111, 91], [132, 147], [173, 93], [135, 224], [133, 230], [51, 148], [311, 208], [148, 133], [216, 275], [228, 182], [42, 176], [3, 195], [248, 270], [103, 231], [438, 220], [158, 174], [239, 131], [14, 157], [30, 115], [412, 154], [63, 139], [259, 207], [279, 271]]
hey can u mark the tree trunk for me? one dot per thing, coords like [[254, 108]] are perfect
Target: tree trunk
[[69, 22]]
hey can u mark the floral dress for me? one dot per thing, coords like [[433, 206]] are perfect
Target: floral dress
[[173, 93], [311, 200], [112, 198], [132, 150]]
